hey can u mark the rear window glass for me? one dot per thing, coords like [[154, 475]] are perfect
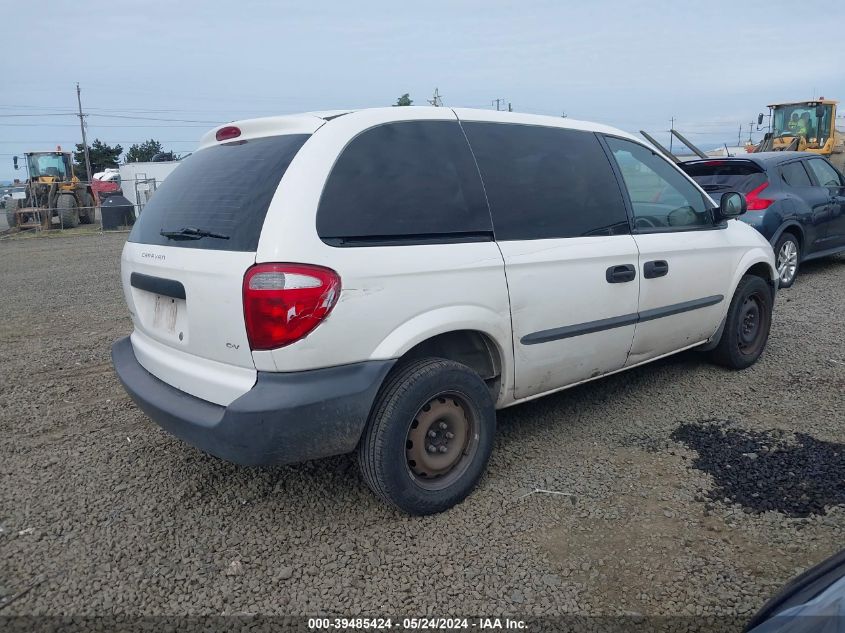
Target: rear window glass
[[795, 175], [225, 189], [407, 181], [722, 176]]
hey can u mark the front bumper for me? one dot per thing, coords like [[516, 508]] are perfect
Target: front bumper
[[285, 418]]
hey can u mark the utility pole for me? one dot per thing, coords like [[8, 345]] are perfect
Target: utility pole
[[671, 129], [497, 103], [84, 138], [739, 136], [510, 107], [436, 99], [750, 130]]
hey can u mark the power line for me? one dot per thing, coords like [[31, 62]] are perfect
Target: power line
[[134, 110], [66, 141], [146, 118], [45, 114], [99, 125], [113, 116]]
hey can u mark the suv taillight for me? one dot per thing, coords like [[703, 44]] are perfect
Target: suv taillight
[[755, 202], [284, 302]]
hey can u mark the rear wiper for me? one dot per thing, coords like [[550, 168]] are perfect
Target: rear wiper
[[191, 233]]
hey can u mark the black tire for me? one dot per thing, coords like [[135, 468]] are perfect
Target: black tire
[[86, 211], [787, 259], [746, 326], [386, 449], [68, 211], [11, 208]]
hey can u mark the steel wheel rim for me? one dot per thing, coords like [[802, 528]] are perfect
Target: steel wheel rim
[[750, 326], [787, 261], [442, 439]]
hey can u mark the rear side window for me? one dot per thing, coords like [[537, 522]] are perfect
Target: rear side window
[[545, 182], [407, 181], [225, 189], [795, 175], [719, 176], [826, 175]]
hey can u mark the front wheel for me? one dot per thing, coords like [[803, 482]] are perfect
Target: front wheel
[[68, 211], [787, 252], [429, 436], [11, 212], [86, 211], [746, 326]]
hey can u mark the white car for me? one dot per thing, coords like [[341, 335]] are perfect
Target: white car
[[383, 280]]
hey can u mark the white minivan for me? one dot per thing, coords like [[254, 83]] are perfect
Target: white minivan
[[383, 280]]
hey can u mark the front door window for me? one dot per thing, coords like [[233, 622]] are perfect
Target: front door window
[[661, 197]]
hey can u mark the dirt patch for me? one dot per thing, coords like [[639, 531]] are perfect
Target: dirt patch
[[643, 545]]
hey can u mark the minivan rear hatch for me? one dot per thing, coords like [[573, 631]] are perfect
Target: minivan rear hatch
[[184, 262]]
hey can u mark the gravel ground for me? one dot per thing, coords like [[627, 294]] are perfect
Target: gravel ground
[[103, 513]]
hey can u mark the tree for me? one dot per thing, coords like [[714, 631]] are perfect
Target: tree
[[404, 100], [143, 152], [102, 156]]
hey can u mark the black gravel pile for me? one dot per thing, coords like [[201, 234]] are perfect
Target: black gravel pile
[[796, 475]]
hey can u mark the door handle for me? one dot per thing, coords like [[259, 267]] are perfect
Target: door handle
[[656, 268], [620, 274]]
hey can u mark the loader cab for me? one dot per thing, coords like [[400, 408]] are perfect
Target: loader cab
[[49, 166], [809, 125]]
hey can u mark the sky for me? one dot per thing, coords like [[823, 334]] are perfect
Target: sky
[[170, 70]]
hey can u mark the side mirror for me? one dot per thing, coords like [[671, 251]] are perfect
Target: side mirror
[[15, 161], [760, 119], [732, 205]]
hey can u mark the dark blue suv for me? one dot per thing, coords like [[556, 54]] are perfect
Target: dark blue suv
[[795, 199]]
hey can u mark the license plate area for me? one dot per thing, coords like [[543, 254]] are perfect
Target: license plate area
[[162, 317], [165, 314]]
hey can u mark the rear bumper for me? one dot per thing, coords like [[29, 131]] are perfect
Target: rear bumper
[[285, 418]]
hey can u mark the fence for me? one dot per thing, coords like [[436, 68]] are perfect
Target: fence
[[20, 213]]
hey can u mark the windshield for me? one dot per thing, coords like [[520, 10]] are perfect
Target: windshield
[[801, 120], [54, 164]]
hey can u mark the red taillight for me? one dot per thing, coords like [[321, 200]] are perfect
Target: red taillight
[[755, 202], [284, 302], [225, 133]]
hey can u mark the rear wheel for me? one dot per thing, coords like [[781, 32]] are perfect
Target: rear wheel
[[11, 215], [429, 436], [788, 254], [746, 326], [86, 211], [68, 211]]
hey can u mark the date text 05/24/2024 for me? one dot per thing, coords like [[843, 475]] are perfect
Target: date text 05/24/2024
[[446, 624]]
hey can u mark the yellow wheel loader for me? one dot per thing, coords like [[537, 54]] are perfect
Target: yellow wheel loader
[[52, 191], [805, 126]]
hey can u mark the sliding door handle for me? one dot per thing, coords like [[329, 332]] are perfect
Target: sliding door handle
[[620, 274], [656, 268]]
